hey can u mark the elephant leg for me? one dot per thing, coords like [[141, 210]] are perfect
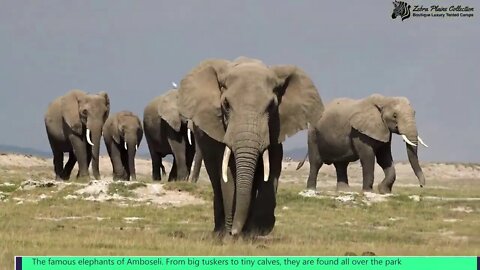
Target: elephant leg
[[212, 158], [126, 168], [117, 164], [179, 150], [172, 176], [315, 160], [162, 168], [342, 177], [385, 160], [58, 164], [80, 151], [156, 163], [89, 155], [367, 160], [72, 159], [57, 158]]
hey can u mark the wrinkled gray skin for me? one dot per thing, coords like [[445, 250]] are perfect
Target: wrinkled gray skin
[[248, 108], [350, 130], [166, 133], [122, 134], [66, 121]]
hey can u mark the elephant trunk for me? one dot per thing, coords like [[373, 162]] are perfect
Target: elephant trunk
[[246, 161], [413, 159], [411, 133], [94, 134], [131, 151]]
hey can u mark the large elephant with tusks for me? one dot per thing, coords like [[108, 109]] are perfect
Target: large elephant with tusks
[[242, 112], [351, 130], [74, 125]]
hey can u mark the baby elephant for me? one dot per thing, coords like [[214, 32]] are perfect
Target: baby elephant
[[362, 129], [123, 133]]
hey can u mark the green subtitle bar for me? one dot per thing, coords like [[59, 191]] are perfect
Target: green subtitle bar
[[243, 263]]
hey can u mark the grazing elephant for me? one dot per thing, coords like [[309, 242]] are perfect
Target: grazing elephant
[[242, 112], [167, 133], [362, 129], [74, 124], [123, 133]]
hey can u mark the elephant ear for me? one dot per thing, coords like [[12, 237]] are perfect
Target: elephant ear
[[107, 104], [367, 119], [116, 129], [299, 101], [168, 109], [199, 97], [139, 131], [70, 110]]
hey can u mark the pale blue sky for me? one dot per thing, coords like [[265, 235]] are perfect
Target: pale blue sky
[[134, 49]]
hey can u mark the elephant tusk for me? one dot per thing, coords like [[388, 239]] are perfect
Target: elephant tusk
[[89, 140], [407, 140], [174, 85], [421, 141], [189, 136], [266, 166], [136, 147], [125, 145], [226, 158]]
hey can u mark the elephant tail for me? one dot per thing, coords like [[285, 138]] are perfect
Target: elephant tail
[[301, 162]]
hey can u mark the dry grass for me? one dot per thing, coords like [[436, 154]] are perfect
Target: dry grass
[[401, 225]]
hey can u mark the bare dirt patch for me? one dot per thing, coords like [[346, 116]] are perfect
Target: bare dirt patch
[[24, 161], [147, 193]]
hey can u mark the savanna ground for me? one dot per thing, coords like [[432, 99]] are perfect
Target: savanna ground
[[39, 216]]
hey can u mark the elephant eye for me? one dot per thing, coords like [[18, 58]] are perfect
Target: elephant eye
[[394, 115], [84, 112]]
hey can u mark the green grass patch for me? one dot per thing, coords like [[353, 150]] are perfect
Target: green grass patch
[[124, 189], [8, 189], [304, 226]]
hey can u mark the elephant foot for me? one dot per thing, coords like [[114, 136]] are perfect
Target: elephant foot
[[367, 189], [260, 224], [229, 239], [384, 189], [83, 178], [342, 186], [121, 176], [219, 234]]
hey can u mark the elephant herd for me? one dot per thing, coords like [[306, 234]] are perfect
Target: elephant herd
[[235, 116]]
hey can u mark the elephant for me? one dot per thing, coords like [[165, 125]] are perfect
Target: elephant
[[350, 130], [166, 133], [122, 134], [74, 124], [242, 111]]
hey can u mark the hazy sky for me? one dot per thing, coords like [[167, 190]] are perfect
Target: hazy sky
[[134, 49]]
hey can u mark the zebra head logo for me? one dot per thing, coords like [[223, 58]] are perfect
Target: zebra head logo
[[401, 9]]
